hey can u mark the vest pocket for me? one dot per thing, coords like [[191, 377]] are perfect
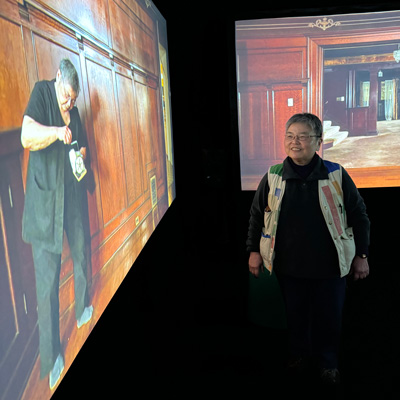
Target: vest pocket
[[44, 209], [265, 249], [349, 246], [266, 239]]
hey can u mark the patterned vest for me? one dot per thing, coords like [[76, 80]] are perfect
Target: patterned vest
[[332, 206]]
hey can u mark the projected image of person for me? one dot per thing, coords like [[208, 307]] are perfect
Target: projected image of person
[[314, 232], [53, 199]]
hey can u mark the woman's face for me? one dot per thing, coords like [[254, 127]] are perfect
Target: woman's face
[[301, 143]]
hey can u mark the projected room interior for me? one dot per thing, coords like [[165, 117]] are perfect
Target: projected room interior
[[344, 68], [120, 52]]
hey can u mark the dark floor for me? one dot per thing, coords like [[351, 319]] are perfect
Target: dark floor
[[177, 348], [202, 360]]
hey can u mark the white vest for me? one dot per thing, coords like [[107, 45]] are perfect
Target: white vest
[[332, 206]]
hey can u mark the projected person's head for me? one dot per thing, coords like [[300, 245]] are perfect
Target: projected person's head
[[67, 85], [303, 137]]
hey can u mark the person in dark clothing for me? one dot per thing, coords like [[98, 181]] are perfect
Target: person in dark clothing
[[309, 223], [53, 204]]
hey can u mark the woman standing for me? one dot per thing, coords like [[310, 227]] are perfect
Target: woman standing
[[308, 222]]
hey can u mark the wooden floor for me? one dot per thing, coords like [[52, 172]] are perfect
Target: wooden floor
[[369, 151]]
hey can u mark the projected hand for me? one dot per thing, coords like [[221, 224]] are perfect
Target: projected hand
[[359, 268], [255, 263], [83, 152], [64, 134]]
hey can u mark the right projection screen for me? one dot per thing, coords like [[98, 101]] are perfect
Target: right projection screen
[[343, 68]]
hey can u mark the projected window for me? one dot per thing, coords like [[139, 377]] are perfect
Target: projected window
[[343, 68], [87, 172]]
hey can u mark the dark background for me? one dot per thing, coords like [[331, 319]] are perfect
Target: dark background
[[178, 325]]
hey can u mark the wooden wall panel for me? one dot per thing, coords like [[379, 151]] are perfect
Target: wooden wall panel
[[255, 143], [132, 158], [156, 135], [315, 78], [282, 112], [358, 120], [263, 116], [133, 37], [14, 93], [275, 65], [145, 142], [90, 16], [273, 84], [107, 139]]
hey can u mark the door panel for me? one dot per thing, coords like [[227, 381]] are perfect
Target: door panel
[[13, 75], [143, 104], [256, 143], [286, 102], [107, 139], [127, 114]]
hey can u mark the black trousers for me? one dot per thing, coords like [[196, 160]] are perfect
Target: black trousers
[[314, 309], [47, 273]]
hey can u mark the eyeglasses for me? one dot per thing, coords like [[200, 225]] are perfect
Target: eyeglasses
[[67, 96], [302, 138]]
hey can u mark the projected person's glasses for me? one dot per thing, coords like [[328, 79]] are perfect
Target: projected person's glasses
[[69, 99]]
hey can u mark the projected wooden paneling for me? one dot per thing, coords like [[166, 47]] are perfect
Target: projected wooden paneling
[[132, 156], [107, 140], [114, 47], [272, 86], [13, 77], [133, 33], [92, 16]]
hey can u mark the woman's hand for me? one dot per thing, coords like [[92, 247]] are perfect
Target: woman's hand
[[255, 263], [359, 268]]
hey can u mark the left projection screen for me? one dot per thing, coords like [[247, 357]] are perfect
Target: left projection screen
[[66, 244]]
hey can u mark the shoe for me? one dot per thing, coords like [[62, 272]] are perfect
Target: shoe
[[297, 364], [55, 373], [85, 317], [297, 371], [330, 376]]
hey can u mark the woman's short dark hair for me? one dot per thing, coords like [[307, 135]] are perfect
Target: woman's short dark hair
[[310, 119], [69, 74]]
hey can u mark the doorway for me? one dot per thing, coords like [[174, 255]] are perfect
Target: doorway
[[360, 92]]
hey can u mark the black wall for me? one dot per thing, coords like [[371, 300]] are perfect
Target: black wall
[[193, 271]]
